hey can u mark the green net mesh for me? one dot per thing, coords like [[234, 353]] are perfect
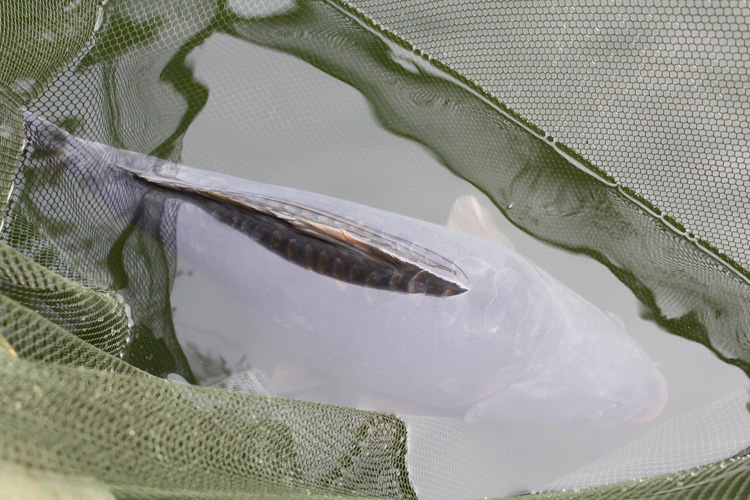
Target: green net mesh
[[642, 166]]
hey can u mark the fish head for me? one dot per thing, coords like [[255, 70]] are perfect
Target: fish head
[[618, 380], [584, 371]]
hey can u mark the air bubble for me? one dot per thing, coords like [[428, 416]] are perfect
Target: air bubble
[[99, 19], [128, 314]]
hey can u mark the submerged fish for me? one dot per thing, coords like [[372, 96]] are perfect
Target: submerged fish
[[418, 312]]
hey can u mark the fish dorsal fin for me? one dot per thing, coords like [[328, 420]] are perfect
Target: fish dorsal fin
[[469, 216], [389, 262]]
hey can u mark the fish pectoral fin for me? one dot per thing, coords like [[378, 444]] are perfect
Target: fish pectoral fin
[[252, 381], [482, 410], [494, 387], [292, 376], [469, 216], [386, 403]]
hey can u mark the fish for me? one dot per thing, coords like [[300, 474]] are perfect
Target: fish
[[446, 320]]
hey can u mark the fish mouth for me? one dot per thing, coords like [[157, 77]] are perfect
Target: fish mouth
[[652, 415]]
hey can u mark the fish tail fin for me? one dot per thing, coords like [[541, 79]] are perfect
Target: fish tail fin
[[43, 135], [469, 216]]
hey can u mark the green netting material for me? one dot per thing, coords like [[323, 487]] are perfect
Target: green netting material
[[653, 93], [71, 408], [75, 412]]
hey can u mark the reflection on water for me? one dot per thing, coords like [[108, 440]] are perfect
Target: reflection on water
[[269, 116]]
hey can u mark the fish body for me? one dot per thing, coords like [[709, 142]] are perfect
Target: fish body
[[437, 317]]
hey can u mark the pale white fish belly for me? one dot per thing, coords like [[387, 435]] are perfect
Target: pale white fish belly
[[517, 345], [440, 347]]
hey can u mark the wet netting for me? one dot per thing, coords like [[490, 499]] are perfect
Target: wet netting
[[614, 130]]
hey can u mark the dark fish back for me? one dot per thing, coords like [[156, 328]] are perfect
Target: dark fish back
[[364, 268]]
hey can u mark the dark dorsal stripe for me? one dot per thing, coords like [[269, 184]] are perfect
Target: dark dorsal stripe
[[324, 257]]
